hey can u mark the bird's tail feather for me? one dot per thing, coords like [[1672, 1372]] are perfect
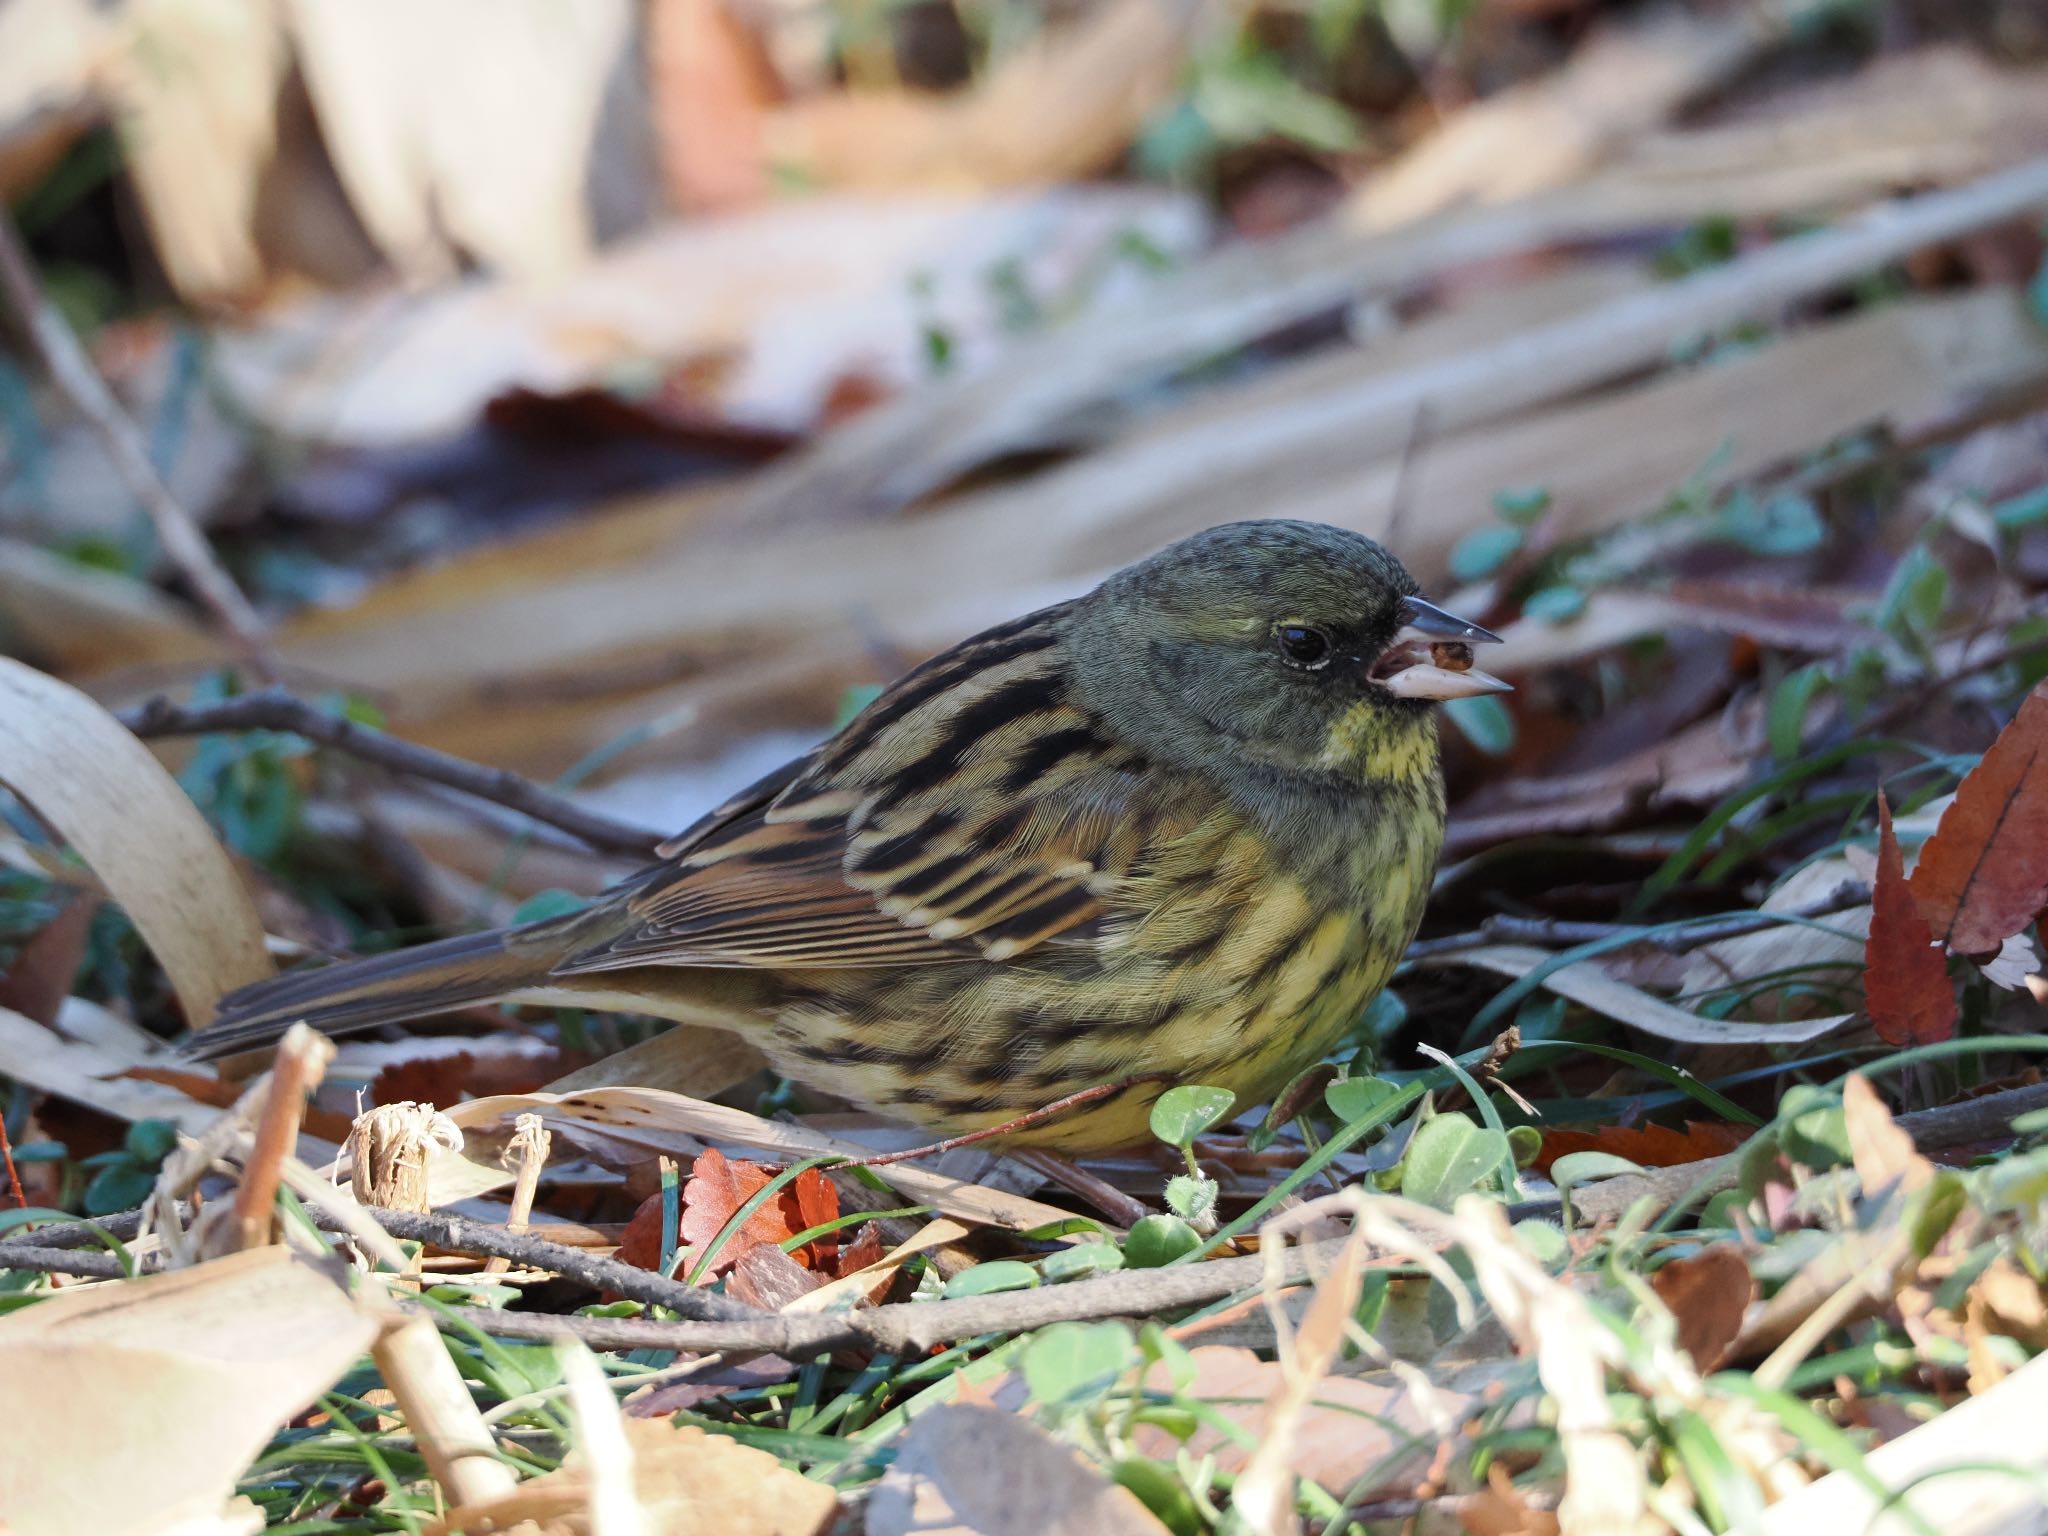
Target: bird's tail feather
[[362, 994]]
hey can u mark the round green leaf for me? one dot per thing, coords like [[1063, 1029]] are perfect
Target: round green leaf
[[1483, 551], [1081, 1259], [1576, 1168], [996, 1275], [1076, 1362], [150, 1141], [1158, 1240], [1522, 504], [1558, 604], [1450, 1156], [1181, 1114], [1484, 721], [1353, 1098], [1525, 1142]]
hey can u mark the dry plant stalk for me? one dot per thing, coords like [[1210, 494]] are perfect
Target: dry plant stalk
[[526, 1155], [390, 1147], [443, 1417], [302, 1058]]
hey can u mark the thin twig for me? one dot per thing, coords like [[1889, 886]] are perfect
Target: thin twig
[[302, 1057], [7, 1157], [275, 710], [176, 530]]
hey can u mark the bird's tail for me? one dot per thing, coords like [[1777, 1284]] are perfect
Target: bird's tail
[[362, 994]]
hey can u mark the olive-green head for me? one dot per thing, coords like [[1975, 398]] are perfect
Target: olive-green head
[[1283, 646]]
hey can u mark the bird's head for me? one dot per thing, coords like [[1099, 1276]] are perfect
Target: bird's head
[[1288, 647]]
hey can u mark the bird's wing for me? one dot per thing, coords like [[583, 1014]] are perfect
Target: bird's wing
[[972, 809]]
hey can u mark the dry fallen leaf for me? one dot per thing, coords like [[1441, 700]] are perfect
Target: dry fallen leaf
[[967, 1470], [130, 1407], [1984, 873], [685, 1480], [1708, 1292], [1502, 1509], [1905, 979], [81, 771], [1883, 1152]]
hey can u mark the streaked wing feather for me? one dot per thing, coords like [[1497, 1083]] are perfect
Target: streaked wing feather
[[972, 809]]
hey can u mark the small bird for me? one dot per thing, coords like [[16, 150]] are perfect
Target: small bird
[[1184, 826]]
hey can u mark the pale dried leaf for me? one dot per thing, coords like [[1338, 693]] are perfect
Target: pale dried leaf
[[968, 1470], [83, 773], [131, 1406], [1884, 1153]]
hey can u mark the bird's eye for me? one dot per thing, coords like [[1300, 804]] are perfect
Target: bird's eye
[[1301, 645]]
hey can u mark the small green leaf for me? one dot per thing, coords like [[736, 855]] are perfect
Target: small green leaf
[[2023, 510], [1159, 1488], [1915, 596], [1525, 1144], [1522, 504], [1158, 1240], [118, 1188], [1546, 1244], [1485, 722], [1450, 1156], [150, 1141], [996, 1275], [1081, 1259], [1787, 524], [1181, 1114], [1558, 604], [1576, 1168], [1384, 1015], [1076, 1362], [1190, 1197], [1353, 1098], [1812, 1129], [1157, 1346], [1785, 720], [1483, 551]]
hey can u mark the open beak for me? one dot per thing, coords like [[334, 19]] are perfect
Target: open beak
[[1431, 657]]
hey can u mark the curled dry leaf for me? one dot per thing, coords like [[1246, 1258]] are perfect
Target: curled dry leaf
[[1708, 1292], [965, 1469], [1984, 874], [99, 788], [684, 1480], [1905, 977], [131, 1407]]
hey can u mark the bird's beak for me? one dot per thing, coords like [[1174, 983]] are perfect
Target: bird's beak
[[1431, 657]]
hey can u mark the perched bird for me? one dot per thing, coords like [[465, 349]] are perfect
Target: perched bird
[[1185, 824]]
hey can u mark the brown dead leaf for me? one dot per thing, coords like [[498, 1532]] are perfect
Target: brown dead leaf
[[968, 1470], [1905, 978], [1348, 1429], [437, 1080], [40, 978], [1708, 1292], [1502, 1509], [1884, 1154], [1647, 1146], [1984, 873], [686, 1480], [770, 1279], [131, 1407]]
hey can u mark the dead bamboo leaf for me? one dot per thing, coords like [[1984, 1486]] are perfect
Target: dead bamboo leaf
[[99, 788], [1905, 977], [1984, 874], [964, 1469], [130, 1407], [1586, 983]]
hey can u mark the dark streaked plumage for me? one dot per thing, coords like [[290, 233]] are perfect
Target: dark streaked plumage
[[1185, 823]]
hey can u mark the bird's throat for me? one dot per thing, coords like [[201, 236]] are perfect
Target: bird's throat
[[1372, 744]]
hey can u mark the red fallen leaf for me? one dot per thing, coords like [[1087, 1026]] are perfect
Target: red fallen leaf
[[810, 1200], [1651, 1146], [1905, 977], [718, 1187], [864, 1250], [441, 1081], [1708, 1293], [640, 1243], [1984, 873]]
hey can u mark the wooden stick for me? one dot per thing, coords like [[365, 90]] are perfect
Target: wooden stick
[[439, 1411], [302, 1057], [528, 1153], [176, 529], [275, 710]]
